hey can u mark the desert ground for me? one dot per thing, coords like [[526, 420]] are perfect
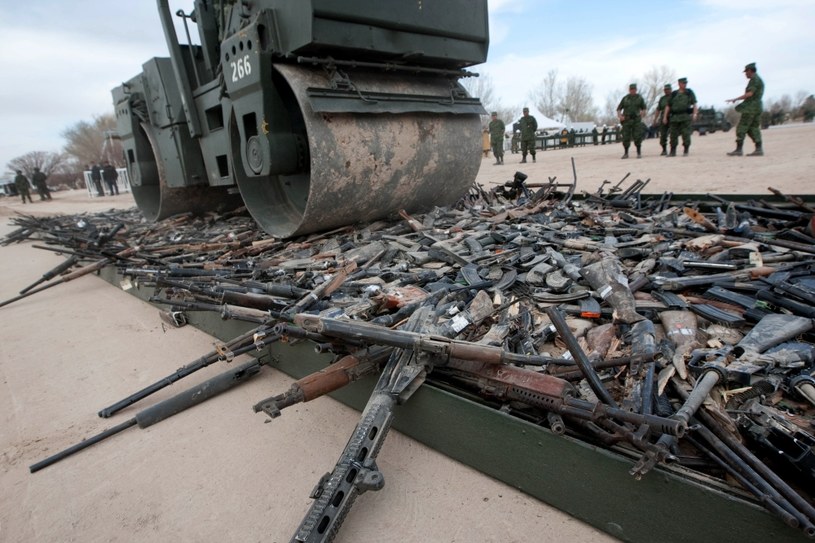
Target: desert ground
[[217, 472]]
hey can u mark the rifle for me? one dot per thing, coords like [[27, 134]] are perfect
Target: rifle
[[795, 507], [50, 274], [771, 330], [85, 270], [356, 471], [254, 339], [511, 383], [164, 409], [340, 373]]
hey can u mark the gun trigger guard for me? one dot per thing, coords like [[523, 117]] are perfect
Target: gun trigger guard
[[224, 352]]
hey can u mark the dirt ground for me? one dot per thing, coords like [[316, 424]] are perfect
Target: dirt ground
[[787, 165], [217, 472]]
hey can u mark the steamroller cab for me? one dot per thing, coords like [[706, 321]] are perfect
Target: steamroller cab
[[315, 113]]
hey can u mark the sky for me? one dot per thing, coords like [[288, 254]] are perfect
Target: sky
[[60, 59]]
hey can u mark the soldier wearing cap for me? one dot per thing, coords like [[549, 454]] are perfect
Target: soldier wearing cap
[[681, 111], [23, 186], [528, 125], [750, 109], [659, 116], [630, 111], [497, 129]]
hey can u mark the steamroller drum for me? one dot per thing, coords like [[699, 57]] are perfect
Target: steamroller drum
[[157, 200], [363, 166]]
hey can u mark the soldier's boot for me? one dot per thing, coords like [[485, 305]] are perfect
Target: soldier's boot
[[758, 152], [523, 160], [738, 150], [664, 151], [685, 150], [673, 151], [533, 157], [625, 154], [639, 151]]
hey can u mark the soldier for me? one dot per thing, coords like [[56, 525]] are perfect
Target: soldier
[[630, 111], [497, 129], [528, 127], [659, 118], [39, 182], [750, 109], [96, 177], [515, 142], [110, 175], [681, 111], [21, 182]]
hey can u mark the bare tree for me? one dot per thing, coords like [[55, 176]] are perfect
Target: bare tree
[[90, 142], [576, 101], [651, 85], [569, 101], [609, 114], [483, 88], [546, 98], [47, 162]]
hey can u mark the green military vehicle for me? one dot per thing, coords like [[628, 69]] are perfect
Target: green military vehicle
[[710, 120]]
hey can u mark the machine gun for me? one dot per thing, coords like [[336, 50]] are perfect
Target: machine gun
[[414, 355], [356, 471]]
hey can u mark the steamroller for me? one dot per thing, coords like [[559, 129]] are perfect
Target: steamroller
[[312, 113]]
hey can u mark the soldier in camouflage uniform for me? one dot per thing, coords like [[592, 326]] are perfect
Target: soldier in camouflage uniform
[[497, 129], [528, 127], [750, 109], [681, 111], [659, 118], [23, 186], [630, 111]]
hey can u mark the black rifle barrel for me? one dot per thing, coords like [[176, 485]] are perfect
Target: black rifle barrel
[[164, 409], [235, 346], [579, 356], [50, 274]]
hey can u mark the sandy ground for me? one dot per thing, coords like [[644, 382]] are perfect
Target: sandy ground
[[217, 472], [787, 165]]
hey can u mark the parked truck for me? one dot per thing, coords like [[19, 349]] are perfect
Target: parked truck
[[710, 120]]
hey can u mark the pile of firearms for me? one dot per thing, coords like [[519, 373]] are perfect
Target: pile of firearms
[[680, 332]]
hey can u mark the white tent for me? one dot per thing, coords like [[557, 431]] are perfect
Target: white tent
[[544, 122]]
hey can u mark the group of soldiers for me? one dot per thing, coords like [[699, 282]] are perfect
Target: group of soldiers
[[527, 126], [677, 109], [23, 186], [107, 173], [675, 113]]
